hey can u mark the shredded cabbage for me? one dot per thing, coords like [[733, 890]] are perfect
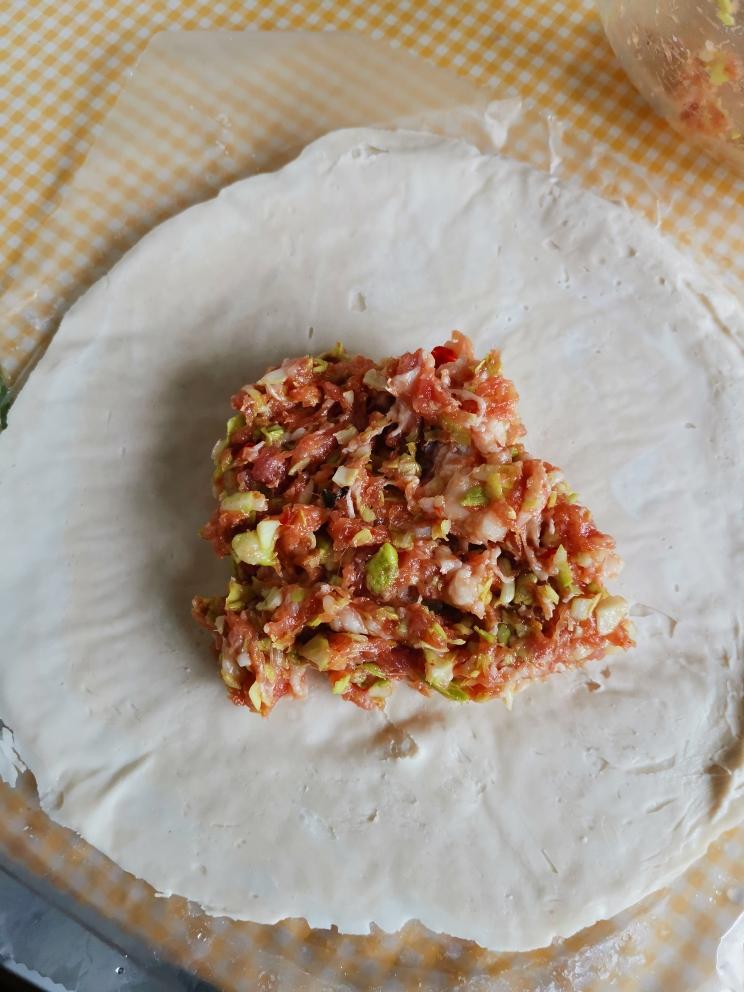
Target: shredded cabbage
[[508, 589], [255, 696], [273, 377], [726, 11], [452, 691], [439, 668], [317, 651], [345, 435], [523, 595], [375, 380], [362, 537], [271, 600], [500, 481], [380, 689], [488, 637], [475, 496], [373, 669], [547, 597], [609, 612], [341, 685], [441, 529], [382, 570], [582, 607], [237, 596], [503, 634], [564, 575], [244, 502], [256, 547], [344, 476], [273, 434], [402, 539]]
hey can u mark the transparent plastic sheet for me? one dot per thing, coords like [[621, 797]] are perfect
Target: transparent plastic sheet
[[202, 109], [687, 58], [199, 111]]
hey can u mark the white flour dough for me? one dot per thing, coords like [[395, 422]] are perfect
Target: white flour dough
[[505, 827]]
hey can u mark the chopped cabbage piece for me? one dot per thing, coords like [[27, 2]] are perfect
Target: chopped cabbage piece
[[726, 11], [380, 689], [375, 380], [439, 668], [317, 651], [362, 537], [256, 547], [344, 436], [273, 434], [237, 596], [609, 612], [250, 502], [341, 685], [441, 529], [475, 496], [255, 696], [582, 607], [382, 570], [344, 476]]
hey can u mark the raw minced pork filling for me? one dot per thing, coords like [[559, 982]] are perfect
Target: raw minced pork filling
[[386, 524]]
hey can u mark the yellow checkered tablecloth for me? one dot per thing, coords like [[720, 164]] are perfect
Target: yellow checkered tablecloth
[[64, 217]]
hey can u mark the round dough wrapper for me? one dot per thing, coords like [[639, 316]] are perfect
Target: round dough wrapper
[[505, 827]]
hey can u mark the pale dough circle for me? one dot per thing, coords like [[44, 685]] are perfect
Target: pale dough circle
[[505, 827]]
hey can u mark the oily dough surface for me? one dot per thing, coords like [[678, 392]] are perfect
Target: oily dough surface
[[505, 827]]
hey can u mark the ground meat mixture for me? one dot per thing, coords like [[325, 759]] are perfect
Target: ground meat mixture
[[387, 525]]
